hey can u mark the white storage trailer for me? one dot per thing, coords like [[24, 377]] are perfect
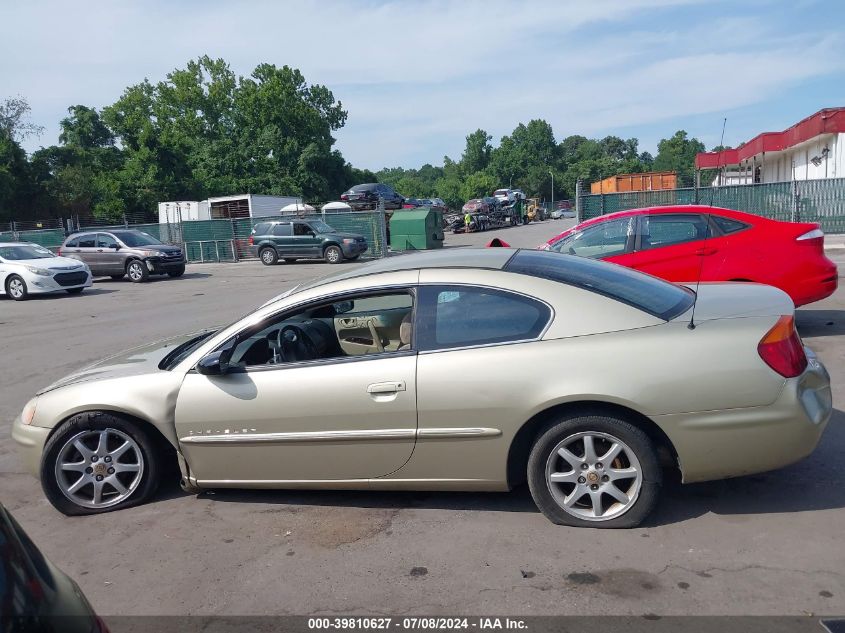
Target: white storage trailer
[[246, 205], [182, 211]]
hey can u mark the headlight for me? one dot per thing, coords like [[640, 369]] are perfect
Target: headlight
[[153, 253], [38, 271], [28, 413]]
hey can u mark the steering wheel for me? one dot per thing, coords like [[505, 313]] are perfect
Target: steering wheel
[[295, 344]]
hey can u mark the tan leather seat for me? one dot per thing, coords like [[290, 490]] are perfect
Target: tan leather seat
[[406, 331]]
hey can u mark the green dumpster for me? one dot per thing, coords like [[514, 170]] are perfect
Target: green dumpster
[[416, 229]]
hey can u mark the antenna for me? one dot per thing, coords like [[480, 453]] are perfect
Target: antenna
[[691, 324]]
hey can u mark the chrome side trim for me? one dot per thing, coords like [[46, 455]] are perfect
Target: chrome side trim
[[341, 436], [457, 433], [301, 436]]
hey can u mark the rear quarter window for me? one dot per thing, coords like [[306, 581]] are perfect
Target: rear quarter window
[[262, 228], [728, 225], [652, 295]]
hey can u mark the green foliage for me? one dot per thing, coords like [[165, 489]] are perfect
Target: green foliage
[[204, 131]]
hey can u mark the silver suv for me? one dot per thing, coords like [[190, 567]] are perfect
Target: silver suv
[[115, 253]]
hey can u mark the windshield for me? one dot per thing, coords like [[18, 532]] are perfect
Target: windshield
[[24, 251], [136, 238], [321, 227], [181, 352]]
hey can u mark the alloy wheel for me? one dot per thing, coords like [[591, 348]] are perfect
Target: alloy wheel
[[135, 272], [594, 476], [99, 468], [16, 288], [267, 256]]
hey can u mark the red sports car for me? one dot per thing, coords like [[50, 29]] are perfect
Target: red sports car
[[687, 243]]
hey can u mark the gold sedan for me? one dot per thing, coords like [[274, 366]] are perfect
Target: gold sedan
[[455, 370]]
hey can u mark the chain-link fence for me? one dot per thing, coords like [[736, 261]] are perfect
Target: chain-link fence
[[223, 240], [821, 201]]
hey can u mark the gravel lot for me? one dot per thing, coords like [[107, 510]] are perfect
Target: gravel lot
[[767, 544]]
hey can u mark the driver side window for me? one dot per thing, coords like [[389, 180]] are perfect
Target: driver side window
[[302, 229], [352, 327], [605, 239]]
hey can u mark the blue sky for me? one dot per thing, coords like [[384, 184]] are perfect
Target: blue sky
[[418, 76]]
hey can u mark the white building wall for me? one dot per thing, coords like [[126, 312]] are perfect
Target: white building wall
[[183, 210]]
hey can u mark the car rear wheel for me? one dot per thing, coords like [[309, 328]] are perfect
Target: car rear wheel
[[333, 254], [268, 256], [594, 471], [97, 462], [137, 271], [16, 288]]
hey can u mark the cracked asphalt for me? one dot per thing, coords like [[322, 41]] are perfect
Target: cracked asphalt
[[770, 544]]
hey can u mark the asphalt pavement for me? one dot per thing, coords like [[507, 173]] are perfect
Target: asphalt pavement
[[769, 544]]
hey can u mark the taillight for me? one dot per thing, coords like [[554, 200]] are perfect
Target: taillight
[[250, 241], [344, 197], [781, 348], [810, 235]]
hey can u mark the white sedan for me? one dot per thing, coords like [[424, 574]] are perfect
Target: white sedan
[[27, 269], [559, 214]]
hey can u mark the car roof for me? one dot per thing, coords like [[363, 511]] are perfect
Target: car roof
[[678, 208], [488, 258]]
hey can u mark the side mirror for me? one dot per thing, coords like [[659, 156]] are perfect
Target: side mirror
[[214, 364], [116, 246]]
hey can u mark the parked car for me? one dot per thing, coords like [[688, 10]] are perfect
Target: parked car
[[348, 381], [559, 214], [115, 253], [688, 243], [505, 197], [35, 595], [476, 205], [303, 239], [519, 194], [366, 196], [27, 269], [412, 203]]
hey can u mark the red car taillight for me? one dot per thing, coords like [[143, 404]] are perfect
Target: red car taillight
[[781, 348], [251, 241], [344, 197]]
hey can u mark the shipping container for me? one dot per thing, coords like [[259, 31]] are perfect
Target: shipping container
[[649, 181]]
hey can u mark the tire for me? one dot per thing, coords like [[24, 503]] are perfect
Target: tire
[[268, 256], [139, 478], [290, 260], [636, 457], [16, 288], [137, 271], [74, 291], [117, 277], [333, 254], [177, 273]]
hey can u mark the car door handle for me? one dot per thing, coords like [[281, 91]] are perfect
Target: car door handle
[[705, 251], [99, 250], [386, 387]]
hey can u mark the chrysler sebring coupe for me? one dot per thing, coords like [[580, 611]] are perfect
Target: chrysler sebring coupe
[[683, 243], [441, 371]]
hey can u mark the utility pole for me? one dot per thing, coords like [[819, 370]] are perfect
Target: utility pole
[[552, 174]]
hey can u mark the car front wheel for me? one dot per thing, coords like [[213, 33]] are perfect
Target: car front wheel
[[333, 255], [137, 271], [594, 471], [16, 288], [97, 462]]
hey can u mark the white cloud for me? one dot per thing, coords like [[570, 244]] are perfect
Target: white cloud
[[417, 77]]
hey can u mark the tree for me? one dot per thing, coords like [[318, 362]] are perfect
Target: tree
[[477, 153], [478, 185], [14, 115], [678, 154], [14, 177]]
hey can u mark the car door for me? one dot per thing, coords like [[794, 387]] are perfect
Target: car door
[[86, 251], [282, 238], [676, 246], [306, 240], [108, 255], [279, 421]]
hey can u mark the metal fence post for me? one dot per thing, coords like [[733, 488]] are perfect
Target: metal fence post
[[579, 211], [796, 216], [382, 217], [14, 226]]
